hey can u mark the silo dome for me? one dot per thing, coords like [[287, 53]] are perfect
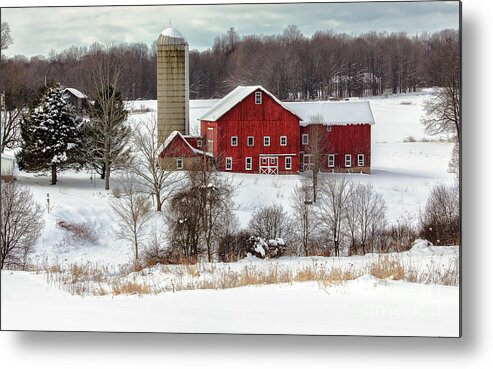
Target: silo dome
[[171, 36]]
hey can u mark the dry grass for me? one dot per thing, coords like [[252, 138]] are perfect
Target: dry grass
[[131, 288], [387, 267], [96, 279]]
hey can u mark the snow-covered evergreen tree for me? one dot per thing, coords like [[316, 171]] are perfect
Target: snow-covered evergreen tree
[[107, 134], [51, 135]]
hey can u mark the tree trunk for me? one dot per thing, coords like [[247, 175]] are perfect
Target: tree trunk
[[158, 201], [315, 181], [53, 174], [107, 177]]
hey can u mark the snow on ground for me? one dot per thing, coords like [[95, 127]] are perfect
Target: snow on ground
[[403, 172], [365, 306]]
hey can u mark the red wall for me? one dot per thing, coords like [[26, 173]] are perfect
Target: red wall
[[271, 119], [178, 148], [257, 120], [342, 140]]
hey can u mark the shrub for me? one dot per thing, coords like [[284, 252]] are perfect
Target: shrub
[[259, 247], [21, 225], [79, 231], [233, 247], [440, 221]]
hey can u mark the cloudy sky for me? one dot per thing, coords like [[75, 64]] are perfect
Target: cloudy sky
[[39, 30]]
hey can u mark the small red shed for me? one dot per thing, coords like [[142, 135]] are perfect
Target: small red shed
[[181, 152]]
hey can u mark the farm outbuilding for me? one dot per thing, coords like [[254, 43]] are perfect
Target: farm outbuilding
[[78, 100], [251, 131]]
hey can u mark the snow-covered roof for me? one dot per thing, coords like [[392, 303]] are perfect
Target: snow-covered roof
[[171, 36], [333, 113], [233, 98], [172, 136], [76, 93]]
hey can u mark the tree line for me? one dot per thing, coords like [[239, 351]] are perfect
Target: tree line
[[290, 64]]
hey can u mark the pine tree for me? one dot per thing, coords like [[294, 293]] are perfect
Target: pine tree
[[107, 134], [51, 136]]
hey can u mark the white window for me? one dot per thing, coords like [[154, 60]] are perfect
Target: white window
[[347, 160], [179, 163], [287, 162], [229, 163], [234, 140], [248, 163], [258, 97], [210, 139], [331, 160], [264, 161], [304, 139], [284, 140], [250, 141], [361, 160], [266, 141], [199, 142]]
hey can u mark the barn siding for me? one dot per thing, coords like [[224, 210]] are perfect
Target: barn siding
[[257, 120], [341, 140]]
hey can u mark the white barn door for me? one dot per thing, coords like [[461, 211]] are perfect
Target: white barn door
[[269, 165]]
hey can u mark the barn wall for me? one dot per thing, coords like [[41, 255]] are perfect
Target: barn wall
[[257, 120], [189, 163], [342, 140]]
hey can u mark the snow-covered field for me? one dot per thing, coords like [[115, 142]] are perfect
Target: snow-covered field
[[365, 306], [403, 172]]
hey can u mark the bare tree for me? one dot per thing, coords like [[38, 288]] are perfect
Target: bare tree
[[133, 209], [317, 149], [271, 222], [156, 182], [215, 194], [440, 220], [11, 127], [109, 113], [365, 216], [335, 193], [5, 38], [14, 99], [197, 212], [21, 225], [304, 216], [442, 111], [454, 163]]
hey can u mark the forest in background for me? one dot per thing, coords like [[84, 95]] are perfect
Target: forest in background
[[291, 65]]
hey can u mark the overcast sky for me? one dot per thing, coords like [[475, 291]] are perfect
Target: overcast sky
[[39, 30]]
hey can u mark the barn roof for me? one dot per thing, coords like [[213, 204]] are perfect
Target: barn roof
[[175, 134], [76, 93], [234, 98], [332, 113]]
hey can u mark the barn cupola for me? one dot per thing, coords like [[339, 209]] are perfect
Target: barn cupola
[[172, 84]]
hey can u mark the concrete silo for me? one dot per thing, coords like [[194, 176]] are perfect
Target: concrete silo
[[172, 84]]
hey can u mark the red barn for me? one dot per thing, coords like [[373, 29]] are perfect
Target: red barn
[[251, 131], [337, 134]]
